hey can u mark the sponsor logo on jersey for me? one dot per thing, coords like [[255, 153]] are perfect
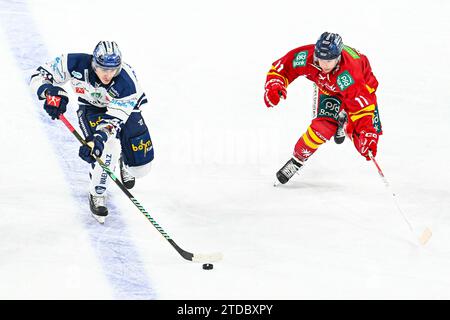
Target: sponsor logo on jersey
[[93, 124], [300, 59], [146, 146], [55, 67], [79, 90], [345, 80], [124, 104], [96, 95], [324, 85], [82, 123], [77, 74], [328, 107], [376, 121]]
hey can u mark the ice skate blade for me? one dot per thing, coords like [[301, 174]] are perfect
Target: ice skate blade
[[99, 219]]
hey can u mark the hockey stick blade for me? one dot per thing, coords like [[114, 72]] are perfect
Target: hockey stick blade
[[203, 258], [425, 236], [213, 257]]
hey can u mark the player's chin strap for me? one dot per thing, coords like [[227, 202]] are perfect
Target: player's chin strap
[[426, 234], [185, 254]]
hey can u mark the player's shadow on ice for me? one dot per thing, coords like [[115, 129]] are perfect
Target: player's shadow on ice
[[325, 186]]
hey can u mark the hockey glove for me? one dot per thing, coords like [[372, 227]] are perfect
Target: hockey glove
[[93, 148], [275, 90], [366, 141], [56, 101]]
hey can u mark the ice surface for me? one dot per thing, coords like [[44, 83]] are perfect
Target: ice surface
[[333, 232]]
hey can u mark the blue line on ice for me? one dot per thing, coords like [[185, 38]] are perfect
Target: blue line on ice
[[112, 242]]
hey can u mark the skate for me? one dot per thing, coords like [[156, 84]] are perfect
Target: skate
[[127, 179], [339, 136], [98, 208], [288, 170]]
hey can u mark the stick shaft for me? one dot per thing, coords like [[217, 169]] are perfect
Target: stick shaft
[[425, 236], [183, 253], [388, 186]]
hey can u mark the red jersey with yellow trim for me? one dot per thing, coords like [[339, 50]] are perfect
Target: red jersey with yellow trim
[[352, 81]]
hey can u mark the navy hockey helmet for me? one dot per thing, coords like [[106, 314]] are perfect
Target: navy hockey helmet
[[329, 46], [107, 56]]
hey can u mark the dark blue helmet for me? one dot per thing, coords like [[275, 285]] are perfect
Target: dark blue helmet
[[329, 46], [107, 55]]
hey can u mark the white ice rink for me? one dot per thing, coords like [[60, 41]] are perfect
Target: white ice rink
[[333, 232]]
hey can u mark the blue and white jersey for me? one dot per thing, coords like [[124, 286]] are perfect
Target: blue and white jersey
[[121, 97]]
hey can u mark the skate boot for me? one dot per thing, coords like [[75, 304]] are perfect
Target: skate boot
[[339, 136], [98, 207], [127, 179], [288, 170]]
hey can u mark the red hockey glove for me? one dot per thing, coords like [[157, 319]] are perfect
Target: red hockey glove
[[275, 89], [365, 142]]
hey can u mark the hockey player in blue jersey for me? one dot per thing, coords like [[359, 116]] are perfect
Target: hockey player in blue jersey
[[109, 114]]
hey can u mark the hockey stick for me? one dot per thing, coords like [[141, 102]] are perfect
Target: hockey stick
[[185, 254], [426, 234]]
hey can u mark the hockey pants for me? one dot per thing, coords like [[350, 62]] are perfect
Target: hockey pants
[[133, 144]]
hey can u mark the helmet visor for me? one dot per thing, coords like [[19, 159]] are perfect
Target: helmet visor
[[109, 70]]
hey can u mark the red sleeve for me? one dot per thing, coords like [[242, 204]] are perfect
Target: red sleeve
[[369, 77], [360, 98], [292, 65]]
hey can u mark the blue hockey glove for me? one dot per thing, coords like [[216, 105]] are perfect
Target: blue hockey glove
[[56, 101], [93, 148]]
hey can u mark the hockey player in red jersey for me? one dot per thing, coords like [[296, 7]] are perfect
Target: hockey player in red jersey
[[345, 98]]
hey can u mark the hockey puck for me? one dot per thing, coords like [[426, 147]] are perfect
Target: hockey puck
[[207, 266]]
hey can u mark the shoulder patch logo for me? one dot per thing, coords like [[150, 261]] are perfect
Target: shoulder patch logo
[[345, 80], [300, 59], [77, 74]]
